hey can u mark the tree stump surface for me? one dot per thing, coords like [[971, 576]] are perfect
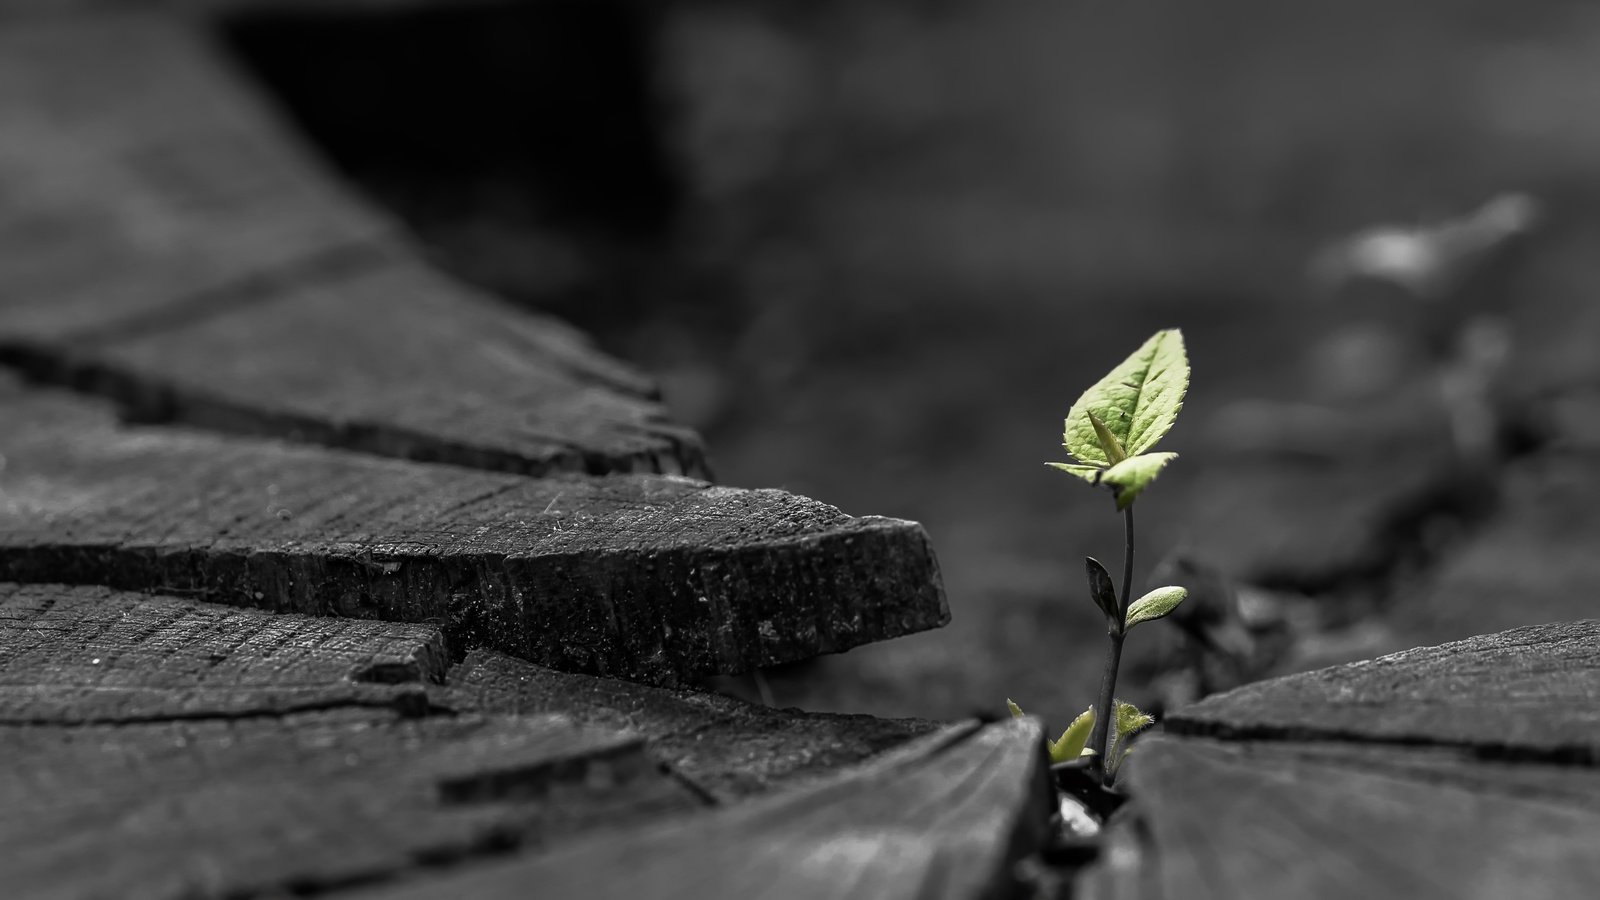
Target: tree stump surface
[[323, 573], [1463, 770], [195, 749], [288, 519]]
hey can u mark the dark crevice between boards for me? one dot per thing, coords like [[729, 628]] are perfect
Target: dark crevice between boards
[[539, 125], [407, 704], [147, 401], [1574, 755]]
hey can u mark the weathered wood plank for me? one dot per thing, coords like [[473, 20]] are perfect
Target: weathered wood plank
[[193, 749], [1527, 693], [400, 361], [302, 802], [728, 748], [946, 816], [71, 655], [1252, 820], [647, 577], [140, 174], [169, 244]]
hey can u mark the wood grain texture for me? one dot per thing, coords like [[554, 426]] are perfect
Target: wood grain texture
[[199, 750], [727, 748], [399, 361], [72, 655], [301, 802], [946, 816], [1527, 693], [653, 578], [1252, 820], [170, 245]]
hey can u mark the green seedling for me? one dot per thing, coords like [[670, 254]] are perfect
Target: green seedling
[[1111, 432]]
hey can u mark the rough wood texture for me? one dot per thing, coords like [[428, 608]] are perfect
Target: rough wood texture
[[400, 361], [301, 802], [168, 244], [1528, 693], [947, 816], [728, 748], [647, 577], [193, 749], [1244, 821], [72, 655]]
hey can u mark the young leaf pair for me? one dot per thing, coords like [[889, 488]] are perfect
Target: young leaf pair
[[1153, 605], [1073, 742]]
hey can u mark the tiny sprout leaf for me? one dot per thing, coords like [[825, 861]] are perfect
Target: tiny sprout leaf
[[1131, 720], [1134, 474], [1069, 746], [1155, 604], [1101, 588], [1016, 711], [1138, 402], [1108, 441]]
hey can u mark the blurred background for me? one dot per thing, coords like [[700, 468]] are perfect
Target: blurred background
[[874, 250]]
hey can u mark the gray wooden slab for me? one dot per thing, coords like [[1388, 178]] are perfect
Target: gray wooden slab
[[400, 361], [1238, 821], [170, 244], [648, 577], [1527, 693], [947, 816], [301, 802], [192, 749], [91, 654], [727, 748]]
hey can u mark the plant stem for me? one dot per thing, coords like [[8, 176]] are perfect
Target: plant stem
[[1104, 714]]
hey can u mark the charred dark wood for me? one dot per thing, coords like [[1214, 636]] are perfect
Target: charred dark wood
[[1464, 770], [728, 748], [1527, 693], [1279, 819], [647, 577], [193, 749], [948, 815]]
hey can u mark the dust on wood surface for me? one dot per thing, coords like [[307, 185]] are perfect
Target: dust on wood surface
[[1464, 770], [649, 577], [150, 733], [171, 245]]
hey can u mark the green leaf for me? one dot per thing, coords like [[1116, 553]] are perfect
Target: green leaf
[[1069, 746], [1016, 711], [1137, 402], [1155, 604], [1130, 721], [1101, 588], [1090, 474], [1108, 441], [1131, 476]]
